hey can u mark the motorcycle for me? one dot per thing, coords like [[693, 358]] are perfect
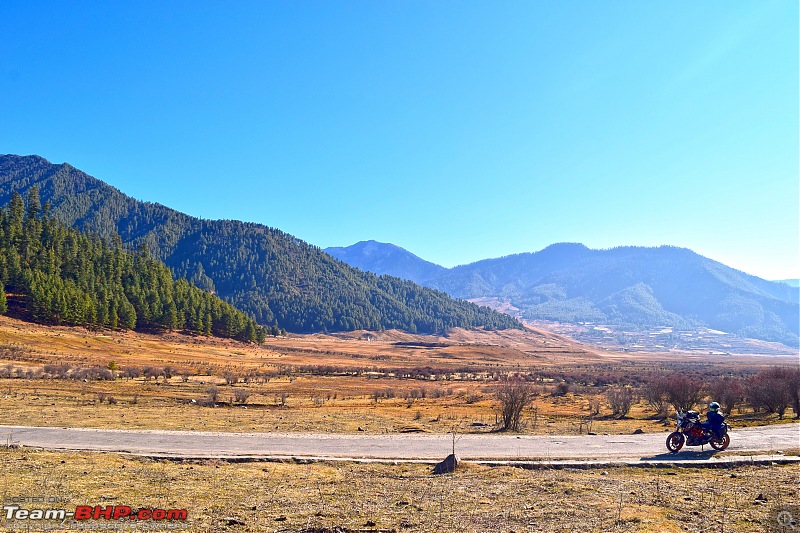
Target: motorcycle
[[690, 432]]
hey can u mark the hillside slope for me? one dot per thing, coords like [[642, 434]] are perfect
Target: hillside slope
[[273, 276]]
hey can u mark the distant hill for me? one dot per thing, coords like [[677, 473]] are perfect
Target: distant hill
[[632, 286], [271, 275], [382, 258], [790, 282]]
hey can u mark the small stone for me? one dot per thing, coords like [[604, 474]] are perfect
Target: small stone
[[638, 431], [369, 523], [232, 521], [281, 518], [604, 473]]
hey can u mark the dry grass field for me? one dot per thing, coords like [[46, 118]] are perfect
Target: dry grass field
[[319, 497], [381, 383], [378, 383]]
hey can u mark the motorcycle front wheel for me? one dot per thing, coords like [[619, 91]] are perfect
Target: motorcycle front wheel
[[675, 441], [720, 444]]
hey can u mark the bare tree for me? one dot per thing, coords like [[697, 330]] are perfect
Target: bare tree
[[654, 393], [241, 395], [620, 399], [150, 372], [771, 390], [213, 394], [683, 392], [132, 372], [793, 382], [281, 399], [513, 395], [594, 407], [728, 392]]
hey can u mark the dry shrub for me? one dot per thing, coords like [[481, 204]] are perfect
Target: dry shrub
[[774, 389], [513, 395], [620, 399], [213, 394], [241, 395]]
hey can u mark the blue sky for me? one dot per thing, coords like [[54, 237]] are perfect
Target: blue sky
[[458, 130]]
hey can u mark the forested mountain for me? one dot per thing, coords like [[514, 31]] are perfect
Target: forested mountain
[[274, 277], [382, 258], [633, 286], [66, 277]]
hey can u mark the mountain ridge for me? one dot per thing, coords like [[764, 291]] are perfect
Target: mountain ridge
[[385, 258], [630, 285], [275, 277]]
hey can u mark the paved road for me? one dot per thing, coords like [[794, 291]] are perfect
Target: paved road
[[399, 446]]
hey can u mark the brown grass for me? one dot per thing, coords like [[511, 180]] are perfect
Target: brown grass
[[294, 497], [363, 390]]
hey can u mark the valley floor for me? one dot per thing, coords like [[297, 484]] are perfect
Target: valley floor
[[370, 384]]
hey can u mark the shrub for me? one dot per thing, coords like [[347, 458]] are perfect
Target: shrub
[[620, 399], [594, 406], [472, 397], [281, 399], [514, 396], [561, 389], [213, 394], [241, 395], [150, 372], [132, 372]]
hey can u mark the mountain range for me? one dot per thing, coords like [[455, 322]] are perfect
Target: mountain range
[[274, 277], [631, 286]]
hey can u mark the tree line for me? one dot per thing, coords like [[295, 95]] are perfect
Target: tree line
[[63, 276]]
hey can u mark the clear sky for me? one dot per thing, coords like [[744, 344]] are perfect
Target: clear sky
[[458, 130]]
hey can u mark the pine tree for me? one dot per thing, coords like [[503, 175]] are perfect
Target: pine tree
[[3, 300]]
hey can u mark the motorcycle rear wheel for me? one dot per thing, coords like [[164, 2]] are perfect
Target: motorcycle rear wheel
[[720, 444], [675, 441]]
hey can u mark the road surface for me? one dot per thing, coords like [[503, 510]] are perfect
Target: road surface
[[495, 447]]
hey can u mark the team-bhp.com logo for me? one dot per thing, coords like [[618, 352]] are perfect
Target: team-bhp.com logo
[[97, 512]]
